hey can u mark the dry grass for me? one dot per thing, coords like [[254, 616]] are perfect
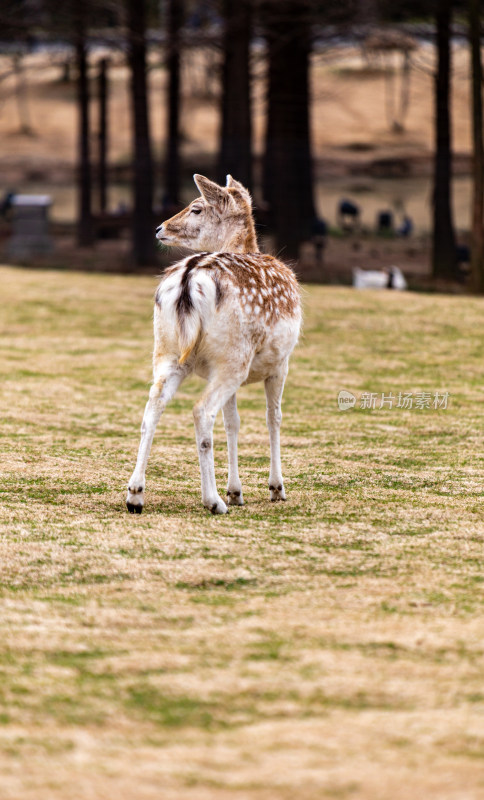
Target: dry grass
[[330, 646]]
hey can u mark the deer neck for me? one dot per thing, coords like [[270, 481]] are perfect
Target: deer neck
[[243, 241]]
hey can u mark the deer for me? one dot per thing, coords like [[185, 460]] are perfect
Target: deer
[[231, 315]]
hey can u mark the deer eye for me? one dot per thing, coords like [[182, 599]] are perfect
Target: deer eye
[[196, 211]]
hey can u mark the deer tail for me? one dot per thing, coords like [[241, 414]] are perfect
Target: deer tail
[[186, 301]]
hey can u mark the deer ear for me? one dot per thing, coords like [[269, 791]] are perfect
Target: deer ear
[[233, 184], [211, 192]]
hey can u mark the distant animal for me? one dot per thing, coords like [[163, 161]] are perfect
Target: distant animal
[[348, 214], [6, 203], [392, 278], [319, 233], [463, 253], [406, 228], [229, 314], [384, 222]]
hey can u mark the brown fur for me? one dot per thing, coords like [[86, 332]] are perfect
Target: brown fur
[[235, 208], [261, 281]]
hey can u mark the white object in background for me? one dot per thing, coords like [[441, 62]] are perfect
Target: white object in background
[[391, 278]]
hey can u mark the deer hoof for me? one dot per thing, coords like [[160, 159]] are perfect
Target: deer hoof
[[133, 509], [218, 507], [277, 492], [235, 498]]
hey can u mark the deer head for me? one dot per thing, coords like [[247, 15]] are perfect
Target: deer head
[[220, 219]]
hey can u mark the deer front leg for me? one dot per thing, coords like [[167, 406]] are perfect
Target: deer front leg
[[274, 387], [169, 377], [232, 426]]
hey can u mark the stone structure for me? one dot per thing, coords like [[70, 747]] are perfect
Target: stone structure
[[30, 226]]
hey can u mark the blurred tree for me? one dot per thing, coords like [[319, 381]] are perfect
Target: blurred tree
[[85, 231], [236, 123], [404, 10], [412, 10], [477, 250], [366, 12], [103, 132], [143, 233], [71, 19], [21, 94], [444, 254], [18, 20], [175, 14], [388, 44], [288, 178]]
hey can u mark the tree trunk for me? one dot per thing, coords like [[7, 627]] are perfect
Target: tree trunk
[[85, 236], [236, 125], [103, 134], [444, 257], [172, 162], [22, 96], [143, 232], [477, 249], [288, 182]]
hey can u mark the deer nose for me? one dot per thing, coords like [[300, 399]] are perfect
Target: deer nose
[[158, 228]]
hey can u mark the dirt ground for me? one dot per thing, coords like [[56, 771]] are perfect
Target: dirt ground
[[351, 98]]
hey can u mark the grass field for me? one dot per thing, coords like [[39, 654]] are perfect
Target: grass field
[[328, 647]]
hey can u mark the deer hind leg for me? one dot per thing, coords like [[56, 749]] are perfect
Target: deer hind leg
[[215, 397], [167, 378], [274, 386], [232, 426]]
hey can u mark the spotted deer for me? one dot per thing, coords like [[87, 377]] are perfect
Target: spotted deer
[[229, 314]]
